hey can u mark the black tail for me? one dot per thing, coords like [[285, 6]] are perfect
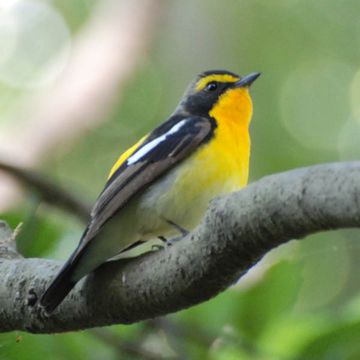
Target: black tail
[[65, 279], [60, 287]]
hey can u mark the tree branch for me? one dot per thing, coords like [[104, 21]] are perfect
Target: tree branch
[[237, 231], [50, 192]]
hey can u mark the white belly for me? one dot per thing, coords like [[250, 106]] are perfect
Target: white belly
[[182, 197]]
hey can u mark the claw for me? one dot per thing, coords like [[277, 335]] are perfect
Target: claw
[[174, 240], [157, 247], [181, 230], [169, 242]]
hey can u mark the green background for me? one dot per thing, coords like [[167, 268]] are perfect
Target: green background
[[302, 301]]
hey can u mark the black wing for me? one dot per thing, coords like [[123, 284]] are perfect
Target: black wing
[[166, 146]]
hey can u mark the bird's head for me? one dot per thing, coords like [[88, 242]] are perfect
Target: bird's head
[[220, 94]]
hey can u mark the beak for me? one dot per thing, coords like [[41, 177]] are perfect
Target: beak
[[247, 80]]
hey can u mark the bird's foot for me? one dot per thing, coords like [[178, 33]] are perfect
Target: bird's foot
[[180, 229], [157, 247], [170, 242]]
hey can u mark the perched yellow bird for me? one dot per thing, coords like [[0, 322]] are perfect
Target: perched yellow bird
[[163, 184]]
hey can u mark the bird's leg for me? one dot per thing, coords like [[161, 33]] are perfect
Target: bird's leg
[[181, 230], [156, 247], [163, 239], [174, 240]]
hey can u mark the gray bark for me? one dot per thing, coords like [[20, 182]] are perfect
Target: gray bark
[[237, 231]]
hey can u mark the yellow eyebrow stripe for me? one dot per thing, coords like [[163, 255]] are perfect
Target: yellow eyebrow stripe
[[215, 77]]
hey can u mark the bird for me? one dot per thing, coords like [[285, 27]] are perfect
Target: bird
[[160, 187]]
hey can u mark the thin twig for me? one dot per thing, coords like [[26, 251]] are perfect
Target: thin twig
[[8, 241], [176, 331], [125, 346], [49, 191]]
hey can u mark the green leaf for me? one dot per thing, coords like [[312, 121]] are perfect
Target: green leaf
[[70, 346], [270, 299], [337, 342]]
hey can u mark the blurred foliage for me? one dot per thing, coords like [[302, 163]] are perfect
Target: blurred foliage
[[306, 111]]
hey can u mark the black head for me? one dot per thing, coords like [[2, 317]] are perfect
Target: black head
[[205, 91]]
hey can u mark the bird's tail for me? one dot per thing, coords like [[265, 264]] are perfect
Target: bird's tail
[[65, 280], [59, 288]]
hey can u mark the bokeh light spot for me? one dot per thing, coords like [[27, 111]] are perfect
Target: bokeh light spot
[[35, 43], [314, 104], [355, 96], [348, 140]]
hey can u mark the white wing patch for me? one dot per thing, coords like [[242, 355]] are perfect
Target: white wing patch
[[138, 155]]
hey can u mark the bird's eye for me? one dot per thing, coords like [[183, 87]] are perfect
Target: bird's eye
[[211, 86]]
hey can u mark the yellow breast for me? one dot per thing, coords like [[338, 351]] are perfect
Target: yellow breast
[[217, 167], [231, 146], [223, 162]]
